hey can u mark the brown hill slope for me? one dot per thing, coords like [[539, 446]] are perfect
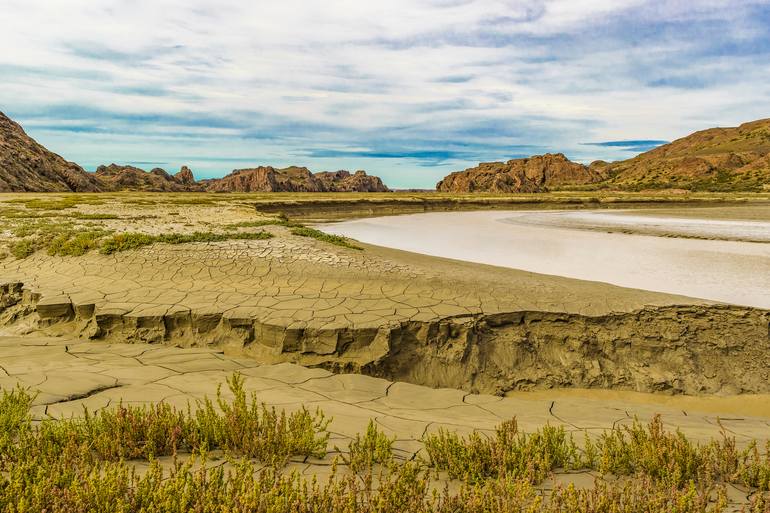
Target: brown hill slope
[[26, 165], [535, 174], [717, 159]]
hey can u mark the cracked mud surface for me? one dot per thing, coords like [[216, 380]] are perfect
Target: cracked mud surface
[[382, 312], [71, 374]]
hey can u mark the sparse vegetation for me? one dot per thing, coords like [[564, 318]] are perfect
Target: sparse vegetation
[[81, 464], [256, 224], [508, 454], [304, 231], [128, 241]]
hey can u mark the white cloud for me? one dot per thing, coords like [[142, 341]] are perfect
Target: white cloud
[[268, 80]]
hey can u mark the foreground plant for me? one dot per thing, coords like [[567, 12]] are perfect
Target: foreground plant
[[510, 453]]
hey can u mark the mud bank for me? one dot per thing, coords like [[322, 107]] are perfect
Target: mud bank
[[695, 349], [386, 204]]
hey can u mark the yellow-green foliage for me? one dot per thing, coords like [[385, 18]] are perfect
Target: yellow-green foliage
[[373, 447], [23, 248], [75, 243], [304, 231], [510, 453], [127, 241], [241, 427], [78, 465]]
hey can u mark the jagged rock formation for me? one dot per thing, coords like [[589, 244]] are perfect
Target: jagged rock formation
[[25, 165], [534, 174], [343, 181], [716, 159], [129, 178], [294, 179]]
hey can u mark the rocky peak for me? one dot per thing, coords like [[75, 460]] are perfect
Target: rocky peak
[[532, 174]]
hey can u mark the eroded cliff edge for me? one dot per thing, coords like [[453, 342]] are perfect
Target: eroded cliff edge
[[690, 349]]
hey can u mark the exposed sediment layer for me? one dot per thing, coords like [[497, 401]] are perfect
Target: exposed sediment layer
[[692, 349], [401, 203]]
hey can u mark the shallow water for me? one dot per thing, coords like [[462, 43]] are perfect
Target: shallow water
[[550, 243]]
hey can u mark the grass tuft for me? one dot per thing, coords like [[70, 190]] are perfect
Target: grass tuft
[[304, 231], [128, 241]]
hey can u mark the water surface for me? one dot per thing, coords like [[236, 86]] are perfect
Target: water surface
[[573, 244]]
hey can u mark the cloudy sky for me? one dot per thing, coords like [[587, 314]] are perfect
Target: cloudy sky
[[406, 89]]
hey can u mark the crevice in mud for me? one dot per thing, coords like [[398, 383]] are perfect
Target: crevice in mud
[[85, 395], [675, 349]]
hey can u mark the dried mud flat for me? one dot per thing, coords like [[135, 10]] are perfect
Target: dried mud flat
[[386, 313], [416, 343]]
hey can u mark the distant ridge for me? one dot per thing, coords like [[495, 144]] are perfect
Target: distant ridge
[[27, 166], [717, 159]]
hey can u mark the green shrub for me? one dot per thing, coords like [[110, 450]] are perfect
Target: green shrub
[[373, 447], [304, 231], [75, 243], [23, 248], [128, 241], [509, 453]]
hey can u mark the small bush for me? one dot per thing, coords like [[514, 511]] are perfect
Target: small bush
[[128, 241], [75, 244], [23, 248], [304, 231], [509, 453], [373, 447]]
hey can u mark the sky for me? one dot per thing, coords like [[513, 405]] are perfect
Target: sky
[[409, 90]]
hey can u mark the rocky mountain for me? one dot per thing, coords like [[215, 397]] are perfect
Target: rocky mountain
[[534, 174], [129, 178], [343, 181], [736, 158], [26, 165], [294, 179]]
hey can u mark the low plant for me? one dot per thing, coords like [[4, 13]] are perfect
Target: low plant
[[509, 453], [23, 248], [75, 243], [373, 447], [304, 231], [127, 241]]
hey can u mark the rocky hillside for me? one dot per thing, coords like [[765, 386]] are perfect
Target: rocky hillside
[[535, 174], [717, 159], [26, 165], [129, 178], [294, 179]]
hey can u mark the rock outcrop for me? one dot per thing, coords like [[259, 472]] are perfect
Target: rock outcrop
[[295, 179], [717, 159], [129, 178], [534, 174], [25, 165]]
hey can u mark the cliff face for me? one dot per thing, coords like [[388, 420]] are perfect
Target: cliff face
[[26, 165], [736, 158], [534, 174], [343, 181], [295, 179]]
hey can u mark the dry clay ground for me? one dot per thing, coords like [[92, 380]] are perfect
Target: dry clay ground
[[259, 306]]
